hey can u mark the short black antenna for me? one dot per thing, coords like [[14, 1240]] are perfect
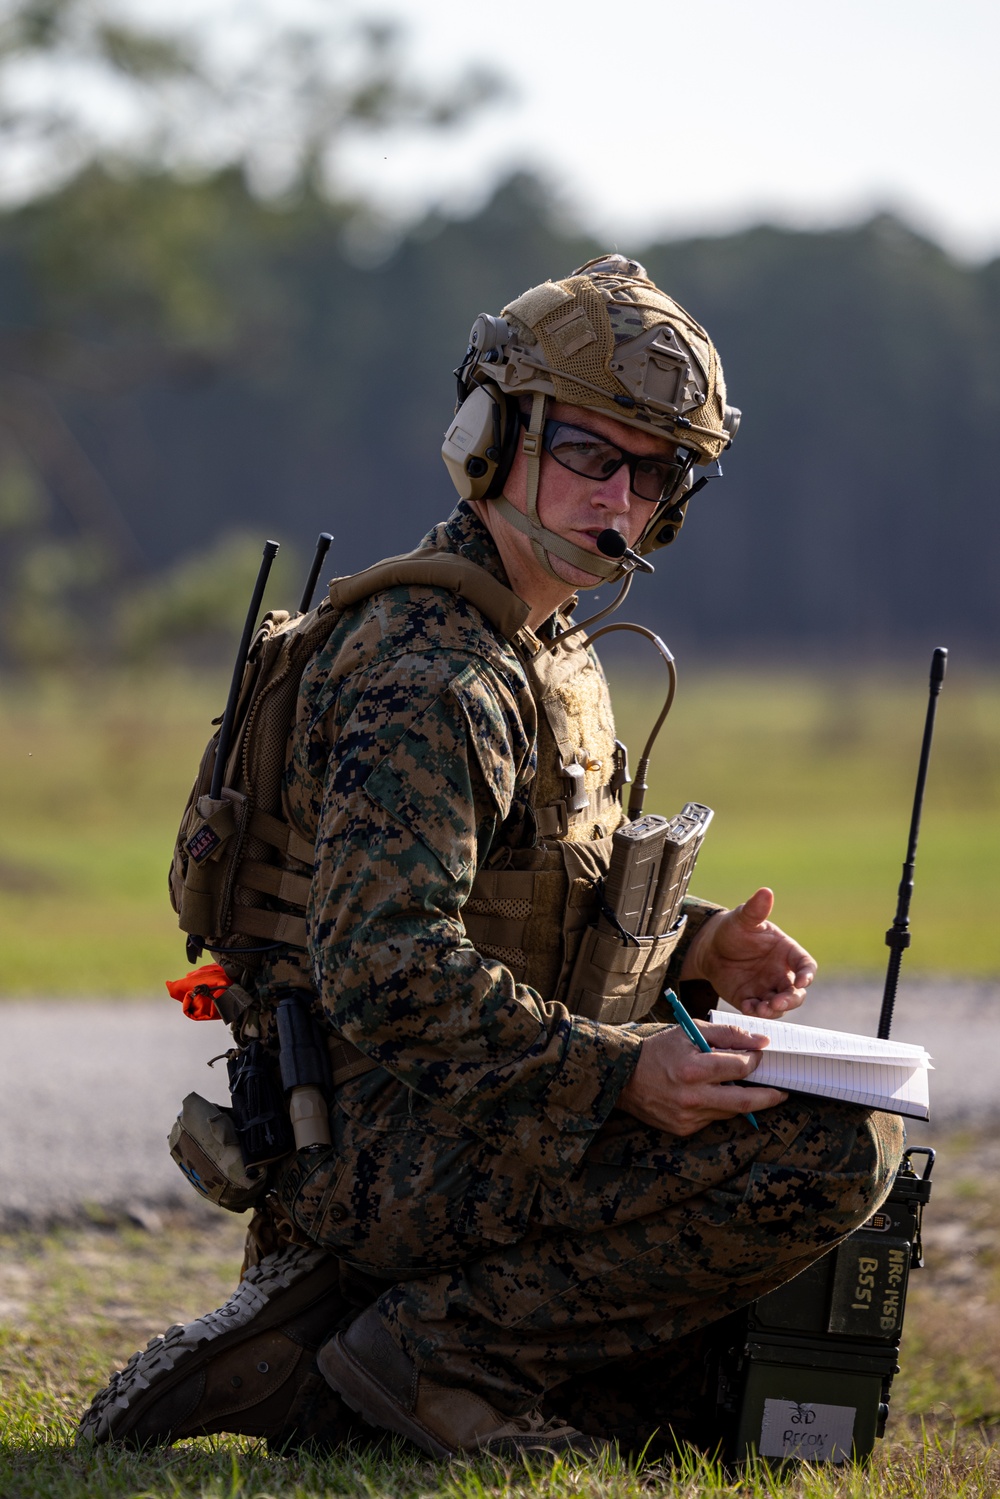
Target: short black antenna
[[898, 936], [229, 716], [323, 543]]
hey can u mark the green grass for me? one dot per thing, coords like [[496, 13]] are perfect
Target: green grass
[[811, 779], [76, 1302], [94, 780], [946, 1468]]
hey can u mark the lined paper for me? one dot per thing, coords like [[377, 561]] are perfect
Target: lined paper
[[890, 1075]]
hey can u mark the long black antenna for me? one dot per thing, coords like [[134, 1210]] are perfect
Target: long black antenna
[[323, 543], [898, 936], [226, 731]]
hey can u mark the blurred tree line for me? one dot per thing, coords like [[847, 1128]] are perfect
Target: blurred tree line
[[196, 354]]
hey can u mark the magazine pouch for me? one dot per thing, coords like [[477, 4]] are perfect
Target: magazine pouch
[[617, 977]]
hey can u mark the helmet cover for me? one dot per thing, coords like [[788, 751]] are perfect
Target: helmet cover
[[607, 339]]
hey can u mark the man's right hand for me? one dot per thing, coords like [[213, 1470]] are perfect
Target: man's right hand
[[679, 1089]]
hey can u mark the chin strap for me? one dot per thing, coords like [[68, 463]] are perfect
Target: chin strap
[[542, 540], [602, 568]]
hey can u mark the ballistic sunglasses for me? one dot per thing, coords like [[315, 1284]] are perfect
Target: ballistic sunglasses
[[583, 452]]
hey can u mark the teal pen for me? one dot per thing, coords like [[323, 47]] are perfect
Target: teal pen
[[692, 1032]]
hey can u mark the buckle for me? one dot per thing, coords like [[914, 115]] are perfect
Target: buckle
[[577, 799], [620, 778]]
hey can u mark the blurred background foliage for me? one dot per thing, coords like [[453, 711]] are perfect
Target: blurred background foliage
[[182, 359], [204, 341], [201, 335]]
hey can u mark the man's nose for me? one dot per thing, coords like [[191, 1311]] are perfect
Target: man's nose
[[614, 493]]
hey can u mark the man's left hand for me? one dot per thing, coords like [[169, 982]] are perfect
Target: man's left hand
[[749, 961]]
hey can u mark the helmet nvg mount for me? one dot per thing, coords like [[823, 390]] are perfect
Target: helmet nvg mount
[[605, 339]]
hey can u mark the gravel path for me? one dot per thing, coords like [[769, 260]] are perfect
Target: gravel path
[[89, 1089], [88, 1092]]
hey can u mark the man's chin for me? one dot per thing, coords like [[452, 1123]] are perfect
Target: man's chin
[[574, 576]]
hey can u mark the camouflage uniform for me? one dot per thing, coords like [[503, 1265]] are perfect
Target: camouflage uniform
[[525, 1232]]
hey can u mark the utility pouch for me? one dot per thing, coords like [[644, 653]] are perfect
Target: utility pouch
[[204, 1143], [259, 1113], [621, 965]]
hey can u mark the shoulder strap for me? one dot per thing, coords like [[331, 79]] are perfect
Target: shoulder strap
[[437, 570]]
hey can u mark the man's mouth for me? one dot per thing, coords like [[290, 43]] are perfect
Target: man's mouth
[[592, 533]]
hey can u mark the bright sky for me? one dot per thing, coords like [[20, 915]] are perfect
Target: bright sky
[[656, 116], [661, 118]]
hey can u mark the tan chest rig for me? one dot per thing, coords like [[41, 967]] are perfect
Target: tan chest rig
[[240, 874], [535, 909]]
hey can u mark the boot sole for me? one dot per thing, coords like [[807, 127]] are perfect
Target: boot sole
[[291, 1278]]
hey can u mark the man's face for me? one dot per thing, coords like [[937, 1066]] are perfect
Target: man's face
[[579, 508]]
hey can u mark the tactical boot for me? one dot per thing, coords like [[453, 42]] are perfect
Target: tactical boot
[[377, 1379], [247, 1368]]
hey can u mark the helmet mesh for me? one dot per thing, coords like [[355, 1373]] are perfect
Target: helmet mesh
[[576, 325]]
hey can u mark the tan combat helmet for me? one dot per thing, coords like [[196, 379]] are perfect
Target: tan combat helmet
[[605, 339]]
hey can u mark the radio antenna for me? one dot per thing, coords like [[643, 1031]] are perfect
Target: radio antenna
[[898, 936], [323, 542], [229, 716]]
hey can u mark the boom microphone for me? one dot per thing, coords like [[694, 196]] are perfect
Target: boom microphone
[[611, 543]]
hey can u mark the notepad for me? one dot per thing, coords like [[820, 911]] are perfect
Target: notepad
[[890, 1075]]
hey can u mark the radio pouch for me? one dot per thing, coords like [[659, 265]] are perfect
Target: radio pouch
[[239, 879], [259, 1113]]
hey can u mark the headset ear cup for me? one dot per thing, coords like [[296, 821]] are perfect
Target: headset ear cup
[[510, 429], [473, 443], [663, 528]]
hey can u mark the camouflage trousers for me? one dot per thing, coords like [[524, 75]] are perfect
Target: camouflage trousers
[[514, 1292]]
